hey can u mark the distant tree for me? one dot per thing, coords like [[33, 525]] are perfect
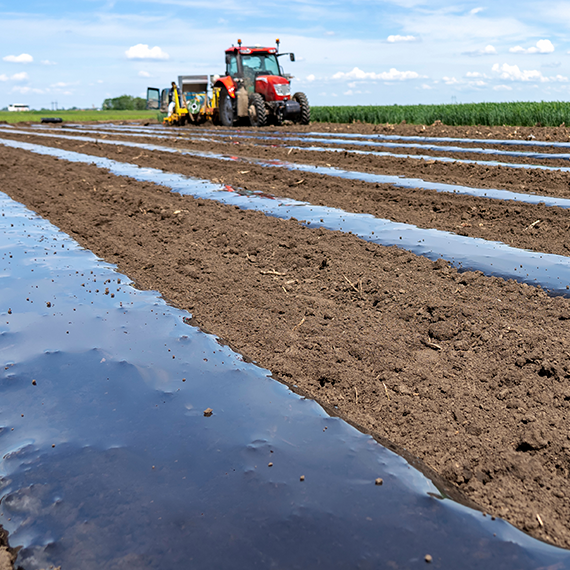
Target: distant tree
[[124, 103]]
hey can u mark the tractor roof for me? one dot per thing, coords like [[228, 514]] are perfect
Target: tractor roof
[[251, 49]]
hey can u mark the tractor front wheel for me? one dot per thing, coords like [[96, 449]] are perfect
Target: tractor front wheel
[[257, 111], [226, 110], [305, 116]]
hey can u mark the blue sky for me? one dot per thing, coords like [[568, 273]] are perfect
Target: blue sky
[[361, 52]]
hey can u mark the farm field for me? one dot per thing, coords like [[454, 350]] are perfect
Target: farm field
[[465, 368], [525, 114], [75, 116]]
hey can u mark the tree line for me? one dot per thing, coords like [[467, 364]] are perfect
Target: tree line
[[124, 103]]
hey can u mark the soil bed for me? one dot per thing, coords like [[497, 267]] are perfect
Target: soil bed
[[484, 176], [437, 129], [469, 373], [512, 223]]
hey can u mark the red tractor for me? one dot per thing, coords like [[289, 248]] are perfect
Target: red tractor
[[256, 87]]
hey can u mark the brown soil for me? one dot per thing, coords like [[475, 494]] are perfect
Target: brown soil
[[506, 221], [469, 373], [437, 129], [7, 554]]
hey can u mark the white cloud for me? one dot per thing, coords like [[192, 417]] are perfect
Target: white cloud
[[426, 86], [26, 90], [22, 76], [542, 46], [475, 74], [514, 73], [142, 51], [329, 33], [487, 50], [144, 74], [450, 80], [394, 39], [48, 62], [22, 58], [502, 88], [60, 84], [392, 75], [310, 77], [476, 10]]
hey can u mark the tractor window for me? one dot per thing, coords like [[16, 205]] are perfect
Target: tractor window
[[231, 66], [152, 98], [261, 64]]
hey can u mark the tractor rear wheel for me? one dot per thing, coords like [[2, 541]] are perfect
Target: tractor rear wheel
[[227, 115], [257, 111], [305, 116]]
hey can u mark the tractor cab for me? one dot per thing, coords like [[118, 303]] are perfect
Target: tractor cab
[[249, 63], [256, 68]]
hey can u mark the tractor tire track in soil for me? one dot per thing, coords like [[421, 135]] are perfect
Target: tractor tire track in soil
[[467, 372]]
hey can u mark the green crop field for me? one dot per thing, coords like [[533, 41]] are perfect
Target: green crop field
[[520, 114], [76, 116]]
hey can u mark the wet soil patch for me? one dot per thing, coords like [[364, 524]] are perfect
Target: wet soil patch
[[534, 227], [467, 372]]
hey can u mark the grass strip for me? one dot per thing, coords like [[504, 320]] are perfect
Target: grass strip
[[76, 116]]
